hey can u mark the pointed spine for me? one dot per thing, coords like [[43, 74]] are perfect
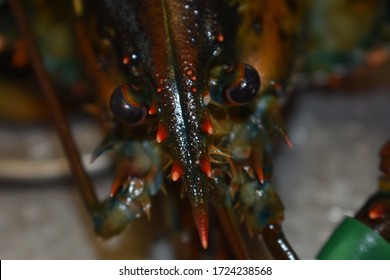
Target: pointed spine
[[177, 172], [162, 133]]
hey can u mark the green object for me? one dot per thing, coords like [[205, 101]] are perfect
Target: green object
[[353, 240]]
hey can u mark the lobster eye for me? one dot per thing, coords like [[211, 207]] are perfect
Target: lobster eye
[[125, 107], [233, 85], [246, 85]]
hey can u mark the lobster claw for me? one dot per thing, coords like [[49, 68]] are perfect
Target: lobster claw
[[137, 178], [129, 202]]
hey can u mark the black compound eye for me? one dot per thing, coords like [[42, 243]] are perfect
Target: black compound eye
[[246, 85], [125, 108]]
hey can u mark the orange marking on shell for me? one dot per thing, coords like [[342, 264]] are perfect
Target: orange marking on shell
[[220, 38], [194, 89], [177, 172], [376, 212], [260, 174], [205, 166], [202, 223], [152, 109], [126, 60], [206, 126], [288, 141], [159, 89], [162, 133], [189, 72], [115, 186], [257, 160], [121, 175]]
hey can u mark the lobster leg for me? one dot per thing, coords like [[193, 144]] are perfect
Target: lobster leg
[[224, 207], [277, 243], [250, 172], [138, 177]]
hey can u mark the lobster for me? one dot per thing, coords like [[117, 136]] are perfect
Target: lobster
[[188, 87], [199, 95]]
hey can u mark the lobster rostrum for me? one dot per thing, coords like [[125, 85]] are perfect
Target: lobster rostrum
[[203, 85]]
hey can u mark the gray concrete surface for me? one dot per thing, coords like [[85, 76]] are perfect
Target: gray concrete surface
[[333, 166]]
